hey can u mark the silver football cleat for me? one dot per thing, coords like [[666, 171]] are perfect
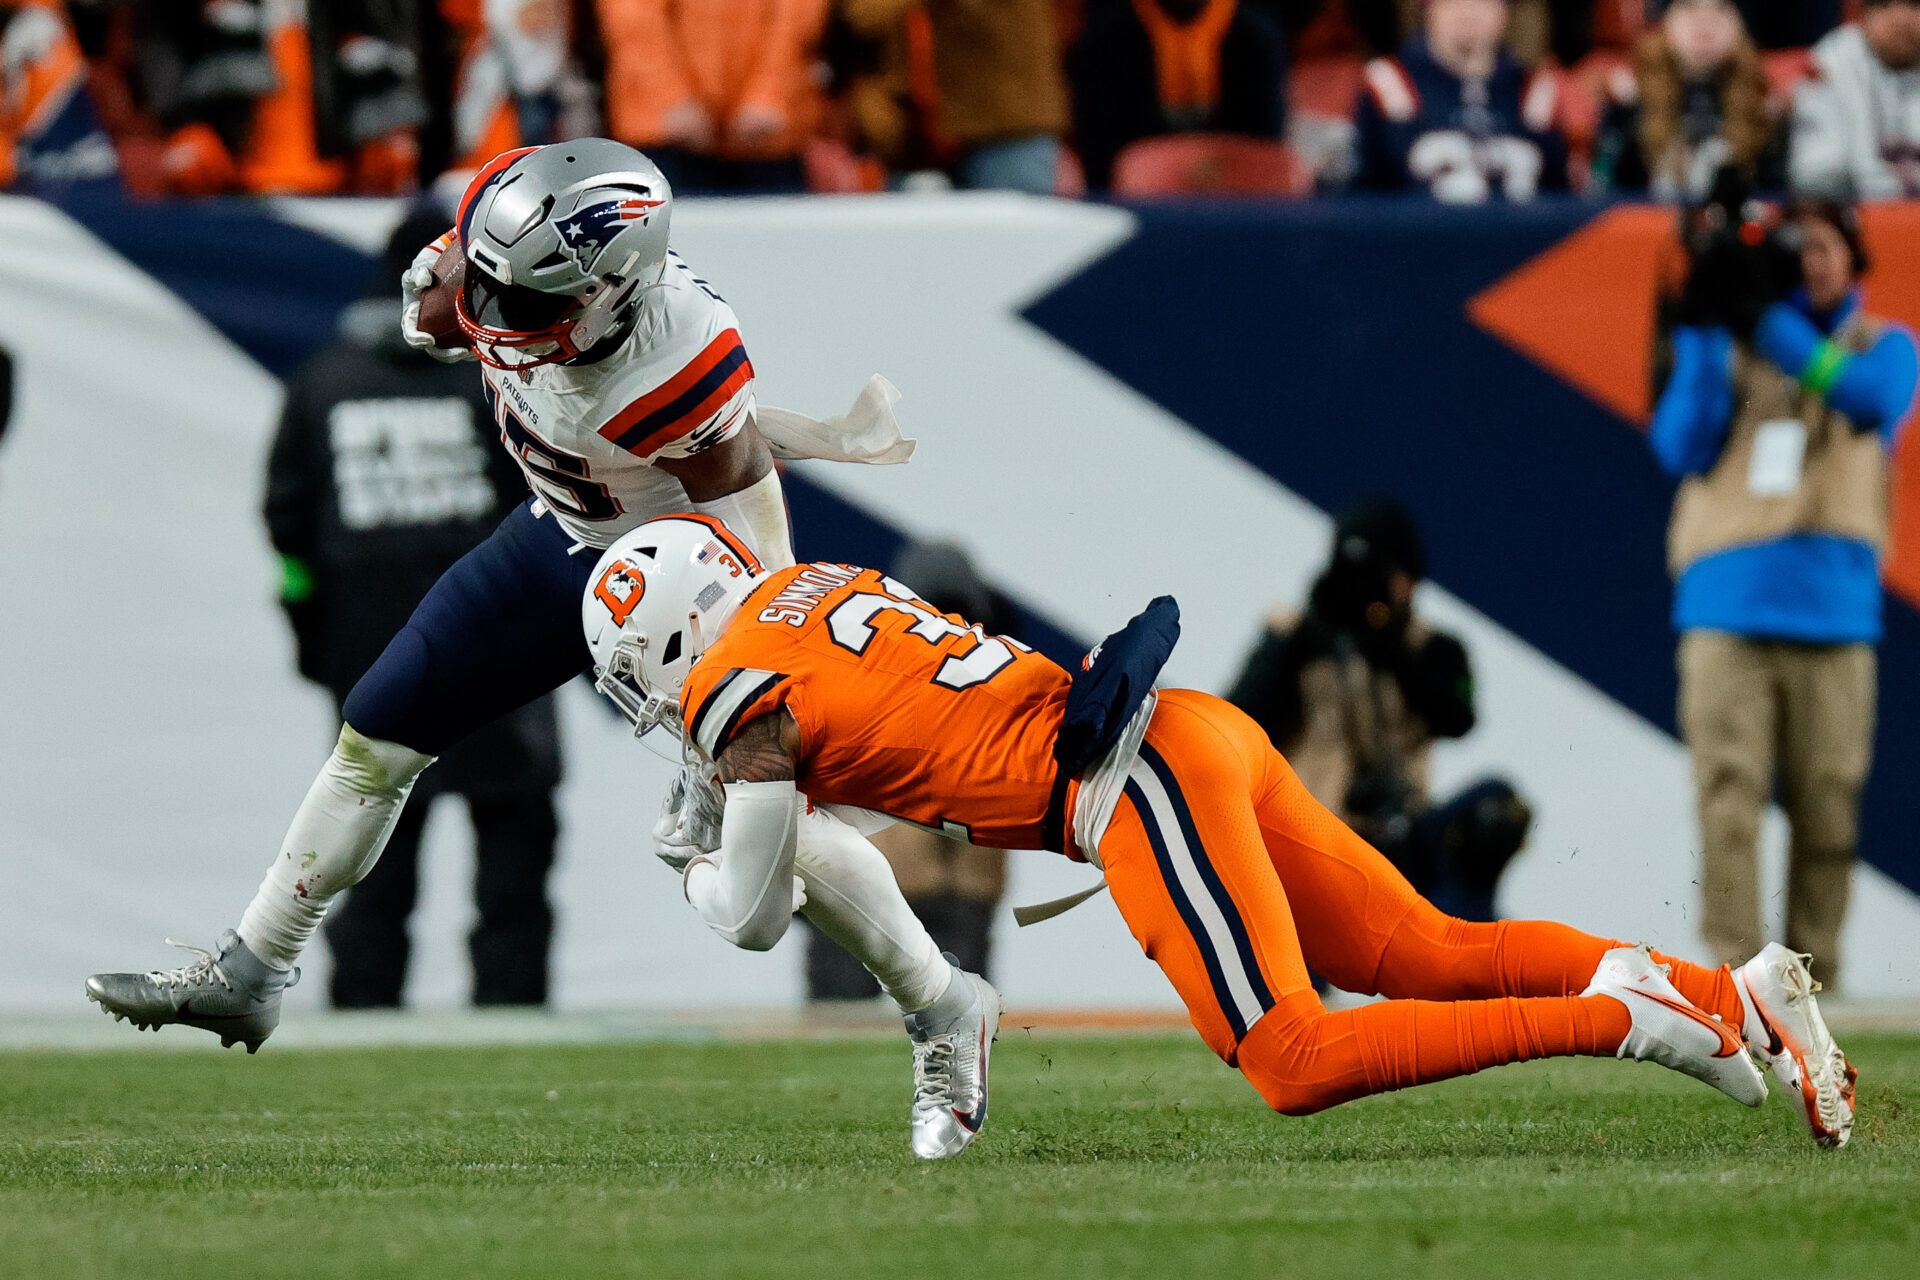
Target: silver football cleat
[[952, 1040], [230, 992]]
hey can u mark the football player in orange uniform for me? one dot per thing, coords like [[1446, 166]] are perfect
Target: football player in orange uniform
[[840, 682]]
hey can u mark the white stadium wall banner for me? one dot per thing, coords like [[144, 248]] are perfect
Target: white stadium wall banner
[[156, 738]]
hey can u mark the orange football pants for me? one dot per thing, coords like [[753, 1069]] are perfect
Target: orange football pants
[[1235, 881]]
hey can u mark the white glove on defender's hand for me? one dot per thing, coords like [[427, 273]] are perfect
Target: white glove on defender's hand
[[415, 280], [689, 822]]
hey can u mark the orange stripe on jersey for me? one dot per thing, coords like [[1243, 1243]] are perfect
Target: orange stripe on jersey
[[685, 400]]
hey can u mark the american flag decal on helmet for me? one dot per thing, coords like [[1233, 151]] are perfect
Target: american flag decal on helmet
[[586, 233]]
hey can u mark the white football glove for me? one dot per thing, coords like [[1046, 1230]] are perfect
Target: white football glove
[[415, 280], [689, 822]]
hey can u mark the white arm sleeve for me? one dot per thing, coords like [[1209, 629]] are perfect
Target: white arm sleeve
[[757, 513], [744, 891]]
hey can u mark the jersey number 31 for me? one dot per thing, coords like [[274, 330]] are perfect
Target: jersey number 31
[[851, 625]]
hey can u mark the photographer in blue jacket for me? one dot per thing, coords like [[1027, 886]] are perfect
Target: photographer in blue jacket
[[1784, 402]]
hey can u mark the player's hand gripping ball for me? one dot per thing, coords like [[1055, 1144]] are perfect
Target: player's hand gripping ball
[[429, 289]]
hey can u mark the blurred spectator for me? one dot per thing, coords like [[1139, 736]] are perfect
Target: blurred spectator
[[1694, 102], [967, 88], [1564, 27], [253, 98], [1788, 24], [50, 135], [1856, 122], [954, 887], [1354, 691], [383, 473], [719, 93], [1782, 406], [1457, 115], [501, 75], [1146, 68]]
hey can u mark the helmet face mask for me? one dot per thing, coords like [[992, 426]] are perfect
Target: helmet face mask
[[561, 243], [621, 682]]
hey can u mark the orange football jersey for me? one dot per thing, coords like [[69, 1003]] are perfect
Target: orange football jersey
[[901, 709]]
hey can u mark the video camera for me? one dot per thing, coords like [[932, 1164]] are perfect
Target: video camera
[[1741, 256]]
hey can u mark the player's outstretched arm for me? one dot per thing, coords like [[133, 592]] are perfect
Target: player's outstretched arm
[[746, 890]]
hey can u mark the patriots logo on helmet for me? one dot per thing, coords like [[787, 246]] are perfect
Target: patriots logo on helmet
[[586, 233]]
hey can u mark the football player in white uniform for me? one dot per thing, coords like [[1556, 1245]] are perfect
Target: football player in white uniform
[[624, 391]]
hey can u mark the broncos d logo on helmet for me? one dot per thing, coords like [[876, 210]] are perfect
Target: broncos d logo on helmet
[[621, 588], [586, 233]]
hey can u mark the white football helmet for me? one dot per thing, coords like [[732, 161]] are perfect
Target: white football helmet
[[658, 598], [562, 241]]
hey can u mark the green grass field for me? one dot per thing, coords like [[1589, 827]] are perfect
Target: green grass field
[[1103, 1157]]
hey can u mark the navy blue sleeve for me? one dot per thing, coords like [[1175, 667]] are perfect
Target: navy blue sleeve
[[1554, 158], [1382, 164], [1690, 422]]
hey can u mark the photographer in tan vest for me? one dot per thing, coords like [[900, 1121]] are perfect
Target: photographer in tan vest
[[1783, 404], [1355, 689]]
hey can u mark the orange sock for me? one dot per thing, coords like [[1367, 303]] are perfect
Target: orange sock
[[1434, 956], [1708, 989], [1303, 1059]]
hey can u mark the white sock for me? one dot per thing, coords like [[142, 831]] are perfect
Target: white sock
[[335, 839], [853, 898]]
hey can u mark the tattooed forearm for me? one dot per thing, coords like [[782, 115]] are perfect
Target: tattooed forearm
[[762, 751]]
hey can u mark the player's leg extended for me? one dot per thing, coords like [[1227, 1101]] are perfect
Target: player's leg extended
[[500, 628], [1188, 866], [951, 1015], [1363, 926], [367, 933]]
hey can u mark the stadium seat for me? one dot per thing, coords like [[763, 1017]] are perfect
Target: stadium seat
[[1585, 92], [832, 168], [1210, 164], [1787, 68], [1325, 86], [1618, 23]]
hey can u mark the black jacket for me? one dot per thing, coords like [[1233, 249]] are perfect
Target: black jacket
[[1433, 676], [1116, 95], [384, 471]]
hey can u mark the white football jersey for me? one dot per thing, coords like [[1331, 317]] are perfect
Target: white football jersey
[[587, 435]]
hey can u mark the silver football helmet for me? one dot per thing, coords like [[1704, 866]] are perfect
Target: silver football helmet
[[561, 243]]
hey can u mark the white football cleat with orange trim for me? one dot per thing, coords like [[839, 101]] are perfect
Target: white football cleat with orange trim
[[1786, 1033], [1669, 1030]]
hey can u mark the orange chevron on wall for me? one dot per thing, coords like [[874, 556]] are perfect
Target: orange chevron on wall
[[1584, 311]]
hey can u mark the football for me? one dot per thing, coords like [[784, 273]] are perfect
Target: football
[[437, 317]]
